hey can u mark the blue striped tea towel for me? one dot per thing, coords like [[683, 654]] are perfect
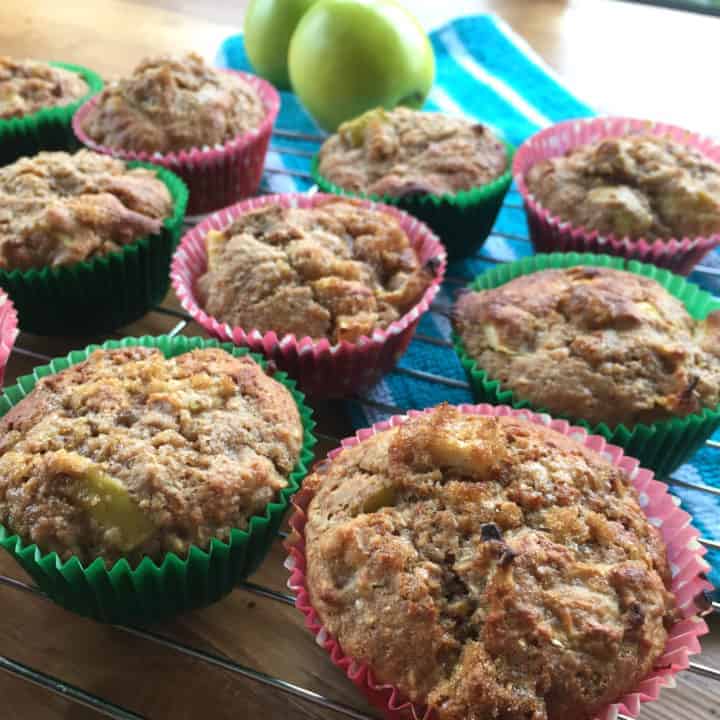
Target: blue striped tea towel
[[487, 72]]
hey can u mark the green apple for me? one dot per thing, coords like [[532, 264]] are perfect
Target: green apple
[[348, 56], [269, 25]]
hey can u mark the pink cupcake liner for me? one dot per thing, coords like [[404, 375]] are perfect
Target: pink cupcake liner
[[550, 233], [685, 555], [8, 332], [216, 176], [321, 369]]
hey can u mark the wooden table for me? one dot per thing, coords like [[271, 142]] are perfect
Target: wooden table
[[623, 58]]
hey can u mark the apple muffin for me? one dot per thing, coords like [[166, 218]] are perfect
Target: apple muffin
[[337, 270], [59, 209], [594, 343], [27, 86], [170, 104], [130, 454], [637, 186], [405, 152], [487, 567]]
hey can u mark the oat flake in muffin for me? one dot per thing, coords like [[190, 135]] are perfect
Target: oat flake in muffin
[[59, 209], [27, 86], [406, 152], [337, 270], [170, 104], [596, 344], [487, 567], [636, 186], [130, 454]]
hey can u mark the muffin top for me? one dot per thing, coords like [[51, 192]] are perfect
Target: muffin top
[[59, 209], [594, 343], [174, 103], [131, 454], [337, 270], [636, 186], [27, 86], [487, 567], [406, 152]]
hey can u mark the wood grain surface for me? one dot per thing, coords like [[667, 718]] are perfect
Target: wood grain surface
[[620, 57]]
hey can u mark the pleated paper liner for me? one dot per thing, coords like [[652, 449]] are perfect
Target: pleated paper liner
[[321, 369], [550, 233], [662, 446], [8, 332], [47, 129], [105, 292], [149, 592], [462, 221], [685, 555], [216, 176]]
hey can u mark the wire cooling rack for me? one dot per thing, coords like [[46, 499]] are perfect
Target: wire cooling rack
[[181, 319]]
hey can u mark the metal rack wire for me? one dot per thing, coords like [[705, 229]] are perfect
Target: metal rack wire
[[109, 709]]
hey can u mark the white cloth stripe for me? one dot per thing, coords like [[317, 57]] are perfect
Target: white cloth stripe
[[277, 182], [455, 47], [443, 326], [522, 45], [446, 103]]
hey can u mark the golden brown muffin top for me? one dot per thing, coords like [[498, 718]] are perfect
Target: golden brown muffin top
[[131, 454], [488, 567], [337, 270], [406, 152], [636, 186], [174, 103], [59, 209], [27, 86], [595, 344]]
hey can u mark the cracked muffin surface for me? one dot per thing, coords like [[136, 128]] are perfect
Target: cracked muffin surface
[[27, 86], [593, 343], [487, 567], [636, 186], [130, 454], [174, 103], [405, 152], [59, 209], [337, 270]]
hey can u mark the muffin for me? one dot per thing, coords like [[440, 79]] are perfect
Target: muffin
[[486, 567], [407, 152], [37, 103], [86, 240], [595, 343], [59, 209], [450, 172], [132, 455], [337, 270], [308, 274], [170, 104], [633, 186], [163, 469], [27, 86], [210, 127]]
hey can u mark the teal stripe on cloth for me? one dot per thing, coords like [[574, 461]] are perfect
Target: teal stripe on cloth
[[486, 72]]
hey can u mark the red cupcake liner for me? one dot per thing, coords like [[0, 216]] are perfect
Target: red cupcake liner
[[321, 369], [8, 331], [685, 555], [550, 233], [216, 176]]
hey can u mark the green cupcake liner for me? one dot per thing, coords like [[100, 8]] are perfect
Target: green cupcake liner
[[150, 592], [106, 292], [462, 221], [49, 128], [662, 446]]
